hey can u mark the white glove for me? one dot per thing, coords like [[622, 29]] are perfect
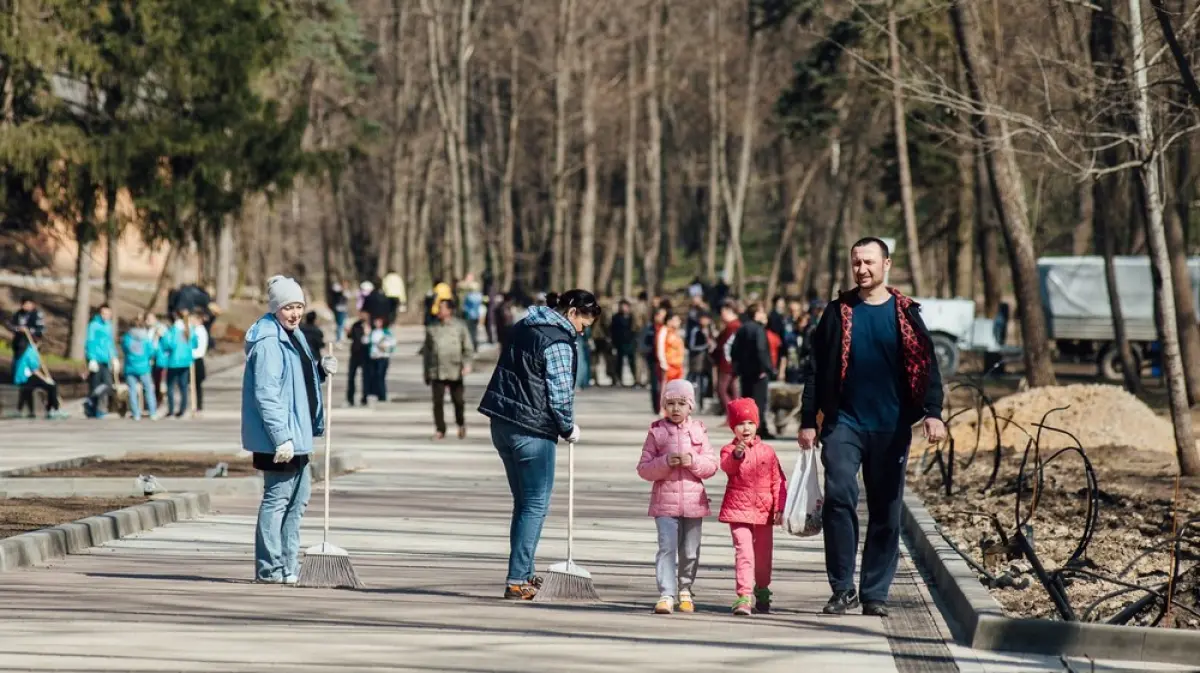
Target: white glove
[[285, 452], [93, 366], [574, 436], [330, 364]]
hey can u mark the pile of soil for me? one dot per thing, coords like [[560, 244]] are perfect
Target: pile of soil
[[1135, 515], [21, 515], [158, 465], [1099, 415]]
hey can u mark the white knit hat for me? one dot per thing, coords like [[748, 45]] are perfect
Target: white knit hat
[[282, 291]]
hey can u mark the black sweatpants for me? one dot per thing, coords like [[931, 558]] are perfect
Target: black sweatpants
[[25, 394], [357, 364], [883, 457], [439, 400]]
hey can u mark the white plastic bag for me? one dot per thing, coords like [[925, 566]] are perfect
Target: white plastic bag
[[802, 515]]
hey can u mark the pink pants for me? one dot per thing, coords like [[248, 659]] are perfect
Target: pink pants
[[753, 545]]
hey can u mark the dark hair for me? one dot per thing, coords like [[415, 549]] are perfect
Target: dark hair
[[624, 302], [869, 240], [642, 296], [449, 302], [730, 305], [310, 318], [26, 299], [753, 309], [580, 300], [665, 303], [102, 307], [778, 298]]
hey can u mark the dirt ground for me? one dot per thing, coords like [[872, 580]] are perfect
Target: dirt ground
[[159, 465], [1133, 528], [21, 515]]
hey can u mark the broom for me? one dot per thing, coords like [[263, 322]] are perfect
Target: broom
[[325, 565], [567, 581]]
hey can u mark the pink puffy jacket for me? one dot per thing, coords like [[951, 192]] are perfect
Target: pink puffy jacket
[[677, 491], [757, 488]]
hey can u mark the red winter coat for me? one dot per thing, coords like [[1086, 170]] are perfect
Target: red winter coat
[[677, 491], [721, 354], [757, 487]]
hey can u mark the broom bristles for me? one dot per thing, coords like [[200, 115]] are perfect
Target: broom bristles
[[559, 586], [328, 567]]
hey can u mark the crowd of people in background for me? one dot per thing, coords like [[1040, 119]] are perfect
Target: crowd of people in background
[[154, 360]]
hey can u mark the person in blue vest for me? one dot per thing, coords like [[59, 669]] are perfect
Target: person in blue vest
[[531, 403], [100, 350], [176, 355], [282, 411], [138, 348], [30, 376]]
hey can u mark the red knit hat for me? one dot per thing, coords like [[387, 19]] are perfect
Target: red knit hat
[[741, 410]]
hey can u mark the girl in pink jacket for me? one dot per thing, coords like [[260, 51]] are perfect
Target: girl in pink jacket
[[677, 457], [753, 503]]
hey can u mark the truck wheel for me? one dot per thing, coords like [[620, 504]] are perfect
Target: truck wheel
[[1109, 364], [946, 351]]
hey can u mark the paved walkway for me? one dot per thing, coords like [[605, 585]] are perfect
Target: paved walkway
[[427, 526]]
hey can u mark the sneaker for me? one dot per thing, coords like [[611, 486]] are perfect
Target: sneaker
[[875, 609], [664, 606], [520, 592], [439, 436], [741, 607], [57, 415], [268, 580], [686, 604], [291, 580], [462, 432], [840, 602], [762, 600]]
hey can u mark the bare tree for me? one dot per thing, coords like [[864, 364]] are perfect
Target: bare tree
[[736, 200], [654, 151], [631, 172], [716, 63], [586, 271], [900, 128], [1008, 194], [1160, 258]]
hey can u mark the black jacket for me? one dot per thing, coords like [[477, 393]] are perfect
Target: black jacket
[[517, 391], [823, 370], [698, 350], [751, 352], [315, 338], [359, 351], [622, 329]]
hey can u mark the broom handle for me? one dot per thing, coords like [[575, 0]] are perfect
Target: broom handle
[[328, 443], [570, 501]]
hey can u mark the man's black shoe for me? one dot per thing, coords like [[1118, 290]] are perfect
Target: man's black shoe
[[875, 609], [841, 601]]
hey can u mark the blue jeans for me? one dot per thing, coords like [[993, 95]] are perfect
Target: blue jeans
[[277, 537], [136, 397], [178, 378], [339, 318], [529, 465]]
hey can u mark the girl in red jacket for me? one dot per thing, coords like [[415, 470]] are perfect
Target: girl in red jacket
[[677, 457], [753, 503]]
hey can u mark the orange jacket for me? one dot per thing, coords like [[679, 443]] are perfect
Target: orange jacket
[[668, 345]]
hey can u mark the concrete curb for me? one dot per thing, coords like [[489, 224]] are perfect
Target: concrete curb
[[978, 620], [66, 464], [24, 485], [39, 546]]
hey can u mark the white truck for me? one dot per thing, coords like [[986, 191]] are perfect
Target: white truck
[[1079, 315]]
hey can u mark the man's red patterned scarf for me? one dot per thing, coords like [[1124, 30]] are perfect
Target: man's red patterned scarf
[[914, 352]]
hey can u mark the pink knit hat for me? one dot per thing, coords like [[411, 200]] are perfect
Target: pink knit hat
[[680, 389]]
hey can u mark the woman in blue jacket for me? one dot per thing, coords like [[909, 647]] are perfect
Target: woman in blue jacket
[[282, 411], [175, 355], [138, 348]]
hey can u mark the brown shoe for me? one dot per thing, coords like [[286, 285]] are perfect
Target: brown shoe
[[462, 432], [520, 592], [439, 436]]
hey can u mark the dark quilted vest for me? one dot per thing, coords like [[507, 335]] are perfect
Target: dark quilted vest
[[517, 391]]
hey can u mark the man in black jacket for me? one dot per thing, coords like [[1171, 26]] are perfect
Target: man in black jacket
[[751, 356], [624, 341], [25, 323], [872, 374]]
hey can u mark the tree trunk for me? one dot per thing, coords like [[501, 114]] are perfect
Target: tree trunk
[[585, 273], [224, 289], [508, 217], [631, 163], [989, 244], [1008, 193], [737, 200], [899, 127], [1104, 228], [612, 243], [470, 257], [1160, 257], [81, 307], [793, 218], [1081, 237], [716, 127], [562, 84], [1181, 279], [964, 231], [654, 152]]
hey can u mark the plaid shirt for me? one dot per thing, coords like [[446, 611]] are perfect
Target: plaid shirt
[[560, 375]]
